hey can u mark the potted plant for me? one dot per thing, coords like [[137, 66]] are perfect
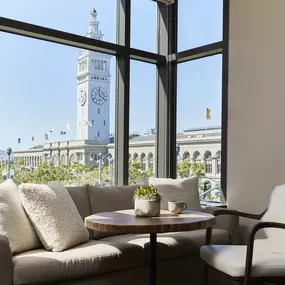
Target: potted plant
[[147, 201]]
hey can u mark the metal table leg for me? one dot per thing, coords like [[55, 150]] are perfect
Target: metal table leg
[[152, 262]]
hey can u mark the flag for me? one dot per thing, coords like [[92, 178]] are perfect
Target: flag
[[208, 114], [63, 133], [51, 129], [68, 127], [46, 136], [33, 138], [19, 140]]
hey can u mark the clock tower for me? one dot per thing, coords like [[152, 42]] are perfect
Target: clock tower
[[93, 89]]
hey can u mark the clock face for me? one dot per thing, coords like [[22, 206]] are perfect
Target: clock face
[[99, 95], [82, 97]]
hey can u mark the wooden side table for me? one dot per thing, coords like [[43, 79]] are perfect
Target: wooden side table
[[125, 222]]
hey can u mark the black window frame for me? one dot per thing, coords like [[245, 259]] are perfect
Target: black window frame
[[166, 59]]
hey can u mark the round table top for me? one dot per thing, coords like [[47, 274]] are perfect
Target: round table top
[[125, 222]]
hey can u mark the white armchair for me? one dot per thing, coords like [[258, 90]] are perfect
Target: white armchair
[[261, 260]]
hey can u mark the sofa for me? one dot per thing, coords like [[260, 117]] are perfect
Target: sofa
[[113, 259]]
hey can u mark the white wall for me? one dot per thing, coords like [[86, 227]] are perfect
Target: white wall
[[256, 126]]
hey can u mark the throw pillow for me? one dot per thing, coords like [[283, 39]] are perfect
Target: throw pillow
[[178, 189], [14, 223], [109, 199], [54, 215]]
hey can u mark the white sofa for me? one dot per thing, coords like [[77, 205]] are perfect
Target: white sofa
[[121, 259]]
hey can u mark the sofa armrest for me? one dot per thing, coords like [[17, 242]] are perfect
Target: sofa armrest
[[225, 222], [6, 262]]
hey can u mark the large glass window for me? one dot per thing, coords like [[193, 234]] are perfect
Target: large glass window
[[199, 23], [142, 122], [143, 25], [65, 98], [67, 16], [49, 112], [199, 123]]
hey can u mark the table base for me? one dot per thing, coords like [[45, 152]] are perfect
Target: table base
[[152, 262]]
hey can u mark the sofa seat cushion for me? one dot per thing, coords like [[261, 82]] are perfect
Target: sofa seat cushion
[[89, 259], [231, 259], [172, 245]]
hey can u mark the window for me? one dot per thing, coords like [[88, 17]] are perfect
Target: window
[[199, 84], [208, 162], [71, 17], [64, 142], [142, 120], [136, 110], [143, 162], [143, 25], [200, 22]]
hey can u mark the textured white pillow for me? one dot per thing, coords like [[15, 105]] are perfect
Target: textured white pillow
[[14, 222], [178, 189], [54, 215]]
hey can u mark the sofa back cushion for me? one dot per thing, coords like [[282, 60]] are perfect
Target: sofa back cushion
[[79, 195], [110, 199], [14, 223], [178, 189], [54, 215]]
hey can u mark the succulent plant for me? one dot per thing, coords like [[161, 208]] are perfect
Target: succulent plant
[[148, 192]]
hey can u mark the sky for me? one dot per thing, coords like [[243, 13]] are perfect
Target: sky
[[38, 78]]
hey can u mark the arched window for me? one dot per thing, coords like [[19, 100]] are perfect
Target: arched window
[[150, 160], [218, 162], [208, 162], [197, 156], [72, 158], [55, 160], [186, 155], [62, 159], [143, 161], [135, 156]]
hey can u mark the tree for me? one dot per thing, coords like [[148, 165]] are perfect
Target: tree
[[183, 168], [197, 168], [137, 175]]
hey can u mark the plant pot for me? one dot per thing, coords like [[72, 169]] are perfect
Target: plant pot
[[147, 208]]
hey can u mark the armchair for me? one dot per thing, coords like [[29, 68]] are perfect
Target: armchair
[[258, 261]]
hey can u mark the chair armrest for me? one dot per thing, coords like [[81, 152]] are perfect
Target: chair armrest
[[226, 222], [238, 213], [250, 245], [6, 262], [233, 228]]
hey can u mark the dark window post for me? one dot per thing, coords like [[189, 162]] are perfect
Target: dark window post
[[122, 94], [165, 158]]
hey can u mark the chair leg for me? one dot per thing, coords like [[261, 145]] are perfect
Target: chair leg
[[206, 272]]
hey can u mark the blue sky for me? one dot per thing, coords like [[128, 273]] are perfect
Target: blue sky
[[38, 79]]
